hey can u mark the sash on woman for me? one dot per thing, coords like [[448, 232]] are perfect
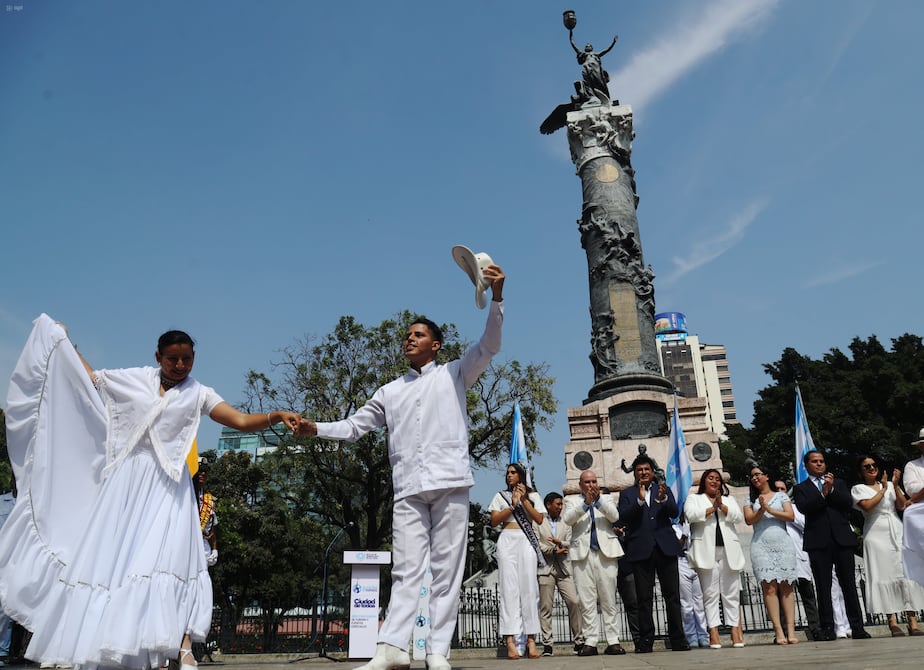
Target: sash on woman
[[519, 515]]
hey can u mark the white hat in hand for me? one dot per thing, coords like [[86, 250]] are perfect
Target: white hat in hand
[[474, 265]]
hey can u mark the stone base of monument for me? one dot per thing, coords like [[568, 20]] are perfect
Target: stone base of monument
[[607, 435]]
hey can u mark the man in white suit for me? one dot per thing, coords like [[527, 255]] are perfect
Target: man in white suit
[[594, 552], [554, 541]]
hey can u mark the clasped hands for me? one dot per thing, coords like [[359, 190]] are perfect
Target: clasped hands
[[662, 492]]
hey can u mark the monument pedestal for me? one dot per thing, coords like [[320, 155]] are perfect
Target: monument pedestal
[[607, 435]]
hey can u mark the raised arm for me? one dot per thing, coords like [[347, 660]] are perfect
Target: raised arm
[[475, 360], [573, 45], [609, 48]]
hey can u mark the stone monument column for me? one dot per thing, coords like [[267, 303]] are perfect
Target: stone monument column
[[627, 409], [623, 347]]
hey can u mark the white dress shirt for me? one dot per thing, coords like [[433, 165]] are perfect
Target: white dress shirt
[[426, 418]]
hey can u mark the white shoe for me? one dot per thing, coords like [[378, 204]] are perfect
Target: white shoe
[[842, 636], [388, 657], [186, 654], [437, 662]]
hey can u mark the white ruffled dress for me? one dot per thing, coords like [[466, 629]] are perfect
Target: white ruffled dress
[[101, 557]]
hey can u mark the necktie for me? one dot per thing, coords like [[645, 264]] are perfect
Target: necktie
[[594, 544], [818, 481]]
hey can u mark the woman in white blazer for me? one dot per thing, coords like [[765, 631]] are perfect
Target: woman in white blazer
[[715, 553]]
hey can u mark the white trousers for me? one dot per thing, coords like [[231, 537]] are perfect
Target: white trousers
[[519, 585], [720, 582], [429, 528], [595, 579]]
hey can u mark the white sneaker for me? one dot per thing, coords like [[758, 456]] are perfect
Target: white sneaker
[[437, 662], [388, 657]]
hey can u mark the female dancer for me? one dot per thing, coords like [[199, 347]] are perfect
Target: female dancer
[[102, 557]]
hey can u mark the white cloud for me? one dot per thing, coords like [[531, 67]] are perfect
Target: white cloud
[[651, 72], [706, 251], [846, 271]]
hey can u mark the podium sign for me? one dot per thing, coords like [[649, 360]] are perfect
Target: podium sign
[[364, 600]]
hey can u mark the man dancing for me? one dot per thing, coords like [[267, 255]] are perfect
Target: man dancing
[[424, 412]]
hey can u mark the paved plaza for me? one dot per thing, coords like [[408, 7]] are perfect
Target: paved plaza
[[877, 653]]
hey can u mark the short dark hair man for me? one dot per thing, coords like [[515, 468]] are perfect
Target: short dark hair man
[[646, 509], [424, 411], [554, 540], [829, 540]]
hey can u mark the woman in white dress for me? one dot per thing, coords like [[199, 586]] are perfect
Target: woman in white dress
[[715, 553], [888, 591], [102, 558], [516, 510]]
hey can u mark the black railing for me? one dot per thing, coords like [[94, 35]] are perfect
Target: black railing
[[303, 631]]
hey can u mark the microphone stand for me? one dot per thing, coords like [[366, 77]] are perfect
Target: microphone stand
[[322, 653]]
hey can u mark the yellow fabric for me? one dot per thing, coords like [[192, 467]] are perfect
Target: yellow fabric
[[192, 460]]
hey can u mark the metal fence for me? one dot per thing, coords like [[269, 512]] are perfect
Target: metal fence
[[310, 632]]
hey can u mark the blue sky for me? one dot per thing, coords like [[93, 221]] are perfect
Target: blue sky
[[249, 172]]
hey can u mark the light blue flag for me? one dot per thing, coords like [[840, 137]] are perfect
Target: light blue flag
[[804, 442], [518, 444], [679, 473]]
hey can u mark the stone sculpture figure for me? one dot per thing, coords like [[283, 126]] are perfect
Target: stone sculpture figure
[[596, 79], [593, 89]]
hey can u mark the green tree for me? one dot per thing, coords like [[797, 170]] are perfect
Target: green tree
[[268, 555], [869, 400], [342, 484]]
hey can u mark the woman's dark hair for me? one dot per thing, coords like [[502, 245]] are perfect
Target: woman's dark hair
[[521, 471], [173, 337], [875, 460], [723, 487], [755, 492]]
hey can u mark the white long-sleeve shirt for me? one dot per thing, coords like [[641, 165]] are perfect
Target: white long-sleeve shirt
[[426, 418], [913, 478]]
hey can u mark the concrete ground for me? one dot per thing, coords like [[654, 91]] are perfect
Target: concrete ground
[[877, 653]]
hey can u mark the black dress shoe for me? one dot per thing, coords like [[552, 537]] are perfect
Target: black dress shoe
[[546, 650], [643, 648], [680, 646], [587, 650], [825, 635], [614, 650], [578, 646], [860, 634]]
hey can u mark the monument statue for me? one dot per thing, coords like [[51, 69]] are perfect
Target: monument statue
[[595, 77], [623, 350], [629, 399], [593, 89]]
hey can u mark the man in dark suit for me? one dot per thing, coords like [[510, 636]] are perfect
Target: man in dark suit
[[652, 547], [829, 542]]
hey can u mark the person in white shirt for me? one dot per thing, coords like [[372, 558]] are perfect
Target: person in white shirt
[[424, 411], [913, 518]]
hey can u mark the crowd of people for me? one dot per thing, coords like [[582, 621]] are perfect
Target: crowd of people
[[591, 542]]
